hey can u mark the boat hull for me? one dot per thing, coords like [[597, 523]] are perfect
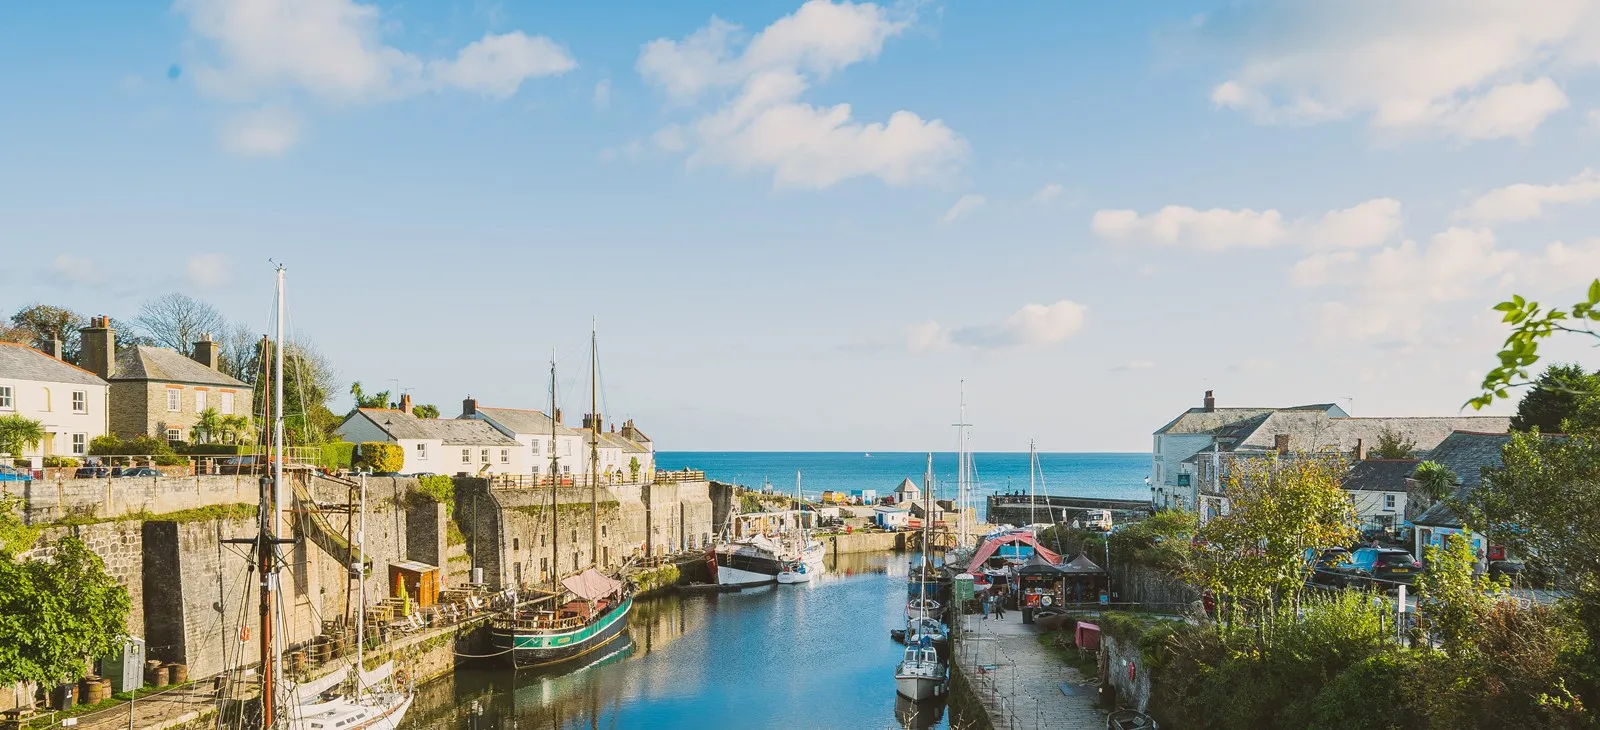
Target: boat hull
[[528, 650], [790, 578], [917, 689]]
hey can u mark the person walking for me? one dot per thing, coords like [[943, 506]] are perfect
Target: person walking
[[983, 605]]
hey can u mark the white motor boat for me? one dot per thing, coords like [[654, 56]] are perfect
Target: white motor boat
[[375, 703], [919, 607], [920, 675], [925, 627], [794, 572]]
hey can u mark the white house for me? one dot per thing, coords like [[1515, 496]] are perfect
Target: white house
[[438, 445], [69, 403], [531, 430], [1377, 489], [890, 518], [907, 492]]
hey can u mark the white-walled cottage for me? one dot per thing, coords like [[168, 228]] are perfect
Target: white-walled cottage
[[438, 445], [69, 403]]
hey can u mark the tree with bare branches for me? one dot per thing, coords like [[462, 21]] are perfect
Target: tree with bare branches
[[176, 321]]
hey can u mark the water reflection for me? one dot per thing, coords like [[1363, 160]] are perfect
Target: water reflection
[[813, 655]]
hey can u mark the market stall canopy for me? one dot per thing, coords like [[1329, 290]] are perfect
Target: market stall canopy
[[993, 544], [591, 585], [1082, 565], [1037, 565]]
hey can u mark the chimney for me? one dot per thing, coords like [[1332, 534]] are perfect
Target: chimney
[[99, 347], [53, 348], [405, 402], [627, 429], [469, 407], [1281, 443], [1361, 450], [206, 352], [1211, 402], [593, 420]]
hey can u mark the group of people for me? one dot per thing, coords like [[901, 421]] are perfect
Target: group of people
[[993, 601]]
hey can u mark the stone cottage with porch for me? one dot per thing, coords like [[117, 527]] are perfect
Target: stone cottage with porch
[[159, 392]]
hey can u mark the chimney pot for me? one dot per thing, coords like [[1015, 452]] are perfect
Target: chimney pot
[[1210, 401], [1361, 450], [558, 415], [469, 407], [405, 402]]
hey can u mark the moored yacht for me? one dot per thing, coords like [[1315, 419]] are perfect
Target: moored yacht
[[921, 674]]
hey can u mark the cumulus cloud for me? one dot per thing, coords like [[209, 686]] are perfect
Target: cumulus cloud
[[763, 124], [966, 204], [1468, 69], [1370, 223], [259, 51], [264, 132], [1524, 201], [1047, 194], [1034, 325], [207, 270]]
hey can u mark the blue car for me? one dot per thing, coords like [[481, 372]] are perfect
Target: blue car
[[10, 474]]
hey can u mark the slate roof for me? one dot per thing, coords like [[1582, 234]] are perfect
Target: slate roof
[[1379, 475], [519, 420], [1312, 432], [20, 362], [628, 446], [167, 366], [1467, 454], [451, 431]]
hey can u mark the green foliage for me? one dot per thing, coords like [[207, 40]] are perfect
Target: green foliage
[[18, 433], [15, 535], [633, 468], [308, 383], [1393, 445], [441, 489], [1558, 395], [157, 449], [1532, 323], [206, 425], [42, 323], [379, 457], [337, 455], [1437, 479], [218, 450], [1375, 693], [1453, 601], [1163, 541], [362, 400], [56, 613], [426, 410], [61, 462]]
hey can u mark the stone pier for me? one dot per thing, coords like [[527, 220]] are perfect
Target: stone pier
[[1000, 665]]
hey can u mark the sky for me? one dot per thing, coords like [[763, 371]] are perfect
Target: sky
[[811, 226]]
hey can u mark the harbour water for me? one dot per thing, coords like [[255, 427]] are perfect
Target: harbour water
[[1116, 476], [815, 655]]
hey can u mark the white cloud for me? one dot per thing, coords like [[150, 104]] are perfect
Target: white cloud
[[1034, 325], [602, 94], [264, 132], [207, 270], [1133, 365], [765, 125], [1322, 267], [268, 50], [1048, 193], [926, 336], [77, 270], [1524, 201], [1366, 224], [967, 204], [1471, 69]]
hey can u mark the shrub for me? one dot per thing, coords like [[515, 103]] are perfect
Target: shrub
[[441, 489], [337, 455], [378, 456], [61, 462]]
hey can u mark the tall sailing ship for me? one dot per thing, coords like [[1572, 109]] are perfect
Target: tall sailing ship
[[581, 612]]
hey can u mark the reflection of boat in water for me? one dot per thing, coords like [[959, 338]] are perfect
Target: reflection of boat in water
[[915, 715]]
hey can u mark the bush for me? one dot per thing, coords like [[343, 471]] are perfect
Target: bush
[[441, 489], [337, 455], [61, 462], [378, 456]]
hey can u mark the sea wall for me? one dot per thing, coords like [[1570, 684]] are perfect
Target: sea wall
[[866, 542], [53, 500]]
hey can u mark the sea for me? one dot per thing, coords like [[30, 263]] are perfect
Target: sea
[[1106, 475]]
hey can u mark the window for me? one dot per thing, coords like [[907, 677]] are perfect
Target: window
[[602, 530], [574, 561], [566, 469], [483, 456], [80, 444], [5, 398], [574, 534], [544, 568], [536, 447], [505, 456], [174, 435], [199, 401], [1388, 501], [541, 544], [606, 552], [174, 400], [536, 470], [422, 452], [466, 456], [516, 544], [226, 407], [80, 401]]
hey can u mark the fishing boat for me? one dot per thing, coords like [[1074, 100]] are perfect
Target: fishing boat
[[580, 613], [350, 699], [750, 561]]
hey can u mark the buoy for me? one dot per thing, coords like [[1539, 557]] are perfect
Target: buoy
[[244, 634]]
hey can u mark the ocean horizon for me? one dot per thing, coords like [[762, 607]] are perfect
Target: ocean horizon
[[1109, 474]]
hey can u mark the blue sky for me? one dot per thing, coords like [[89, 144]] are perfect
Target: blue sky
[[1090, 213]]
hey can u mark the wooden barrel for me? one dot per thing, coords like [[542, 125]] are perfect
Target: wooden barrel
[[323, 649], [179, 673], [297, 661], [158, 676]]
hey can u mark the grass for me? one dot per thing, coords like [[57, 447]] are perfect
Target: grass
[[1058, 644], [193, 514]]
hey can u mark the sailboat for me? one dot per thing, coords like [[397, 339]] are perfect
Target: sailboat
[[921, 674], [809, 552], [372, 701], [581, 612]]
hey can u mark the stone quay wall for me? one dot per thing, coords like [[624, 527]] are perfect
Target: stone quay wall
[[45, 501]]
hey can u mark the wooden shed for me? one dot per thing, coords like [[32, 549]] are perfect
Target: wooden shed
[[422, 581]]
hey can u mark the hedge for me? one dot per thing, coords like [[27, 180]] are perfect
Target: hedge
[[219, 449], [337, 455], [379, 457]]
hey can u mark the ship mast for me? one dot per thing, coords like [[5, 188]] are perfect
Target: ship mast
[[1033, 463], [555, 478], [594, 447], [963, 469]]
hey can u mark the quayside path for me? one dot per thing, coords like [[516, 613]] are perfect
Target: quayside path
[[1018, 681]]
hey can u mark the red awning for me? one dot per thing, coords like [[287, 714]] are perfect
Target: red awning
[[987, 550]]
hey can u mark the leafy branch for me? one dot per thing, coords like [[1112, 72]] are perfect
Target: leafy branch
[[1531, 323]]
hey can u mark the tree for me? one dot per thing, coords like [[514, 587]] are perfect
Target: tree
[[426, 410], [1393, 444], [43, 323], [1254, 557], [234, 428], [56, 613], [177, 321], [1555, 397], [308, 380], [18, 433], [1436, 479], [633, 467], [206, 426], [1530, 324], [1450, 598], [239, 349], [379, 399]]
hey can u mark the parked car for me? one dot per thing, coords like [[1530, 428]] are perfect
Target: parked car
[[1379, 567], [92, 472], [139, 471], [1325, 570], [11, 474]]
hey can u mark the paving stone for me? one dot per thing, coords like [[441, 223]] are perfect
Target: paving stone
[[1019, 681]]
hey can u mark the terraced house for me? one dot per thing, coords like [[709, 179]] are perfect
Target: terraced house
[[68, 402], [159, 392]]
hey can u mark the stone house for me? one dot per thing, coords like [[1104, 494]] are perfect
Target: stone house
[[158, 392], [437, 445], [70, 403]]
